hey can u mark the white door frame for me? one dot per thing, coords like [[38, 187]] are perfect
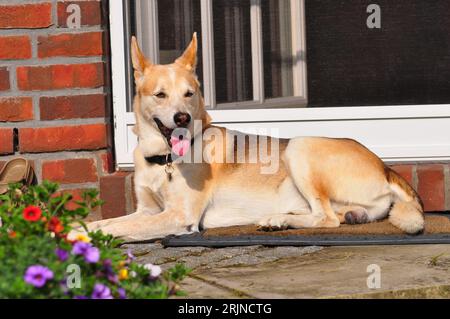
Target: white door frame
[[400, 133]]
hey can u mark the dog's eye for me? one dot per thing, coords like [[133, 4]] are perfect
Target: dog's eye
[[161, 95], [189, 94]]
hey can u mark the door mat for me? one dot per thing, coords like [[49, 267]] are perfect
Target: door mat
[[437, 231]]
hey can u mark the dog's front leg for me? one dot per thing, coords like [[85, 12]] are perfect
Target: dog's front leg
[[139, 226], [182, 215]]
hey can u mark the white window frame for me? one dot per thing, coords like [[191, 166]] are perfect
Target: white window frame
[[397, 133]]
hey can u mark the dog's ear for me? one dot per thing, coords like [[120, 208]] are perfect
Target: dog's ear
[[189, 57], [138, 59]]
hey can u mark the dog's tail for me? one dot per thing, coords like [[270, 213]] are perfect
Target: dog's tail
[[407, 210]]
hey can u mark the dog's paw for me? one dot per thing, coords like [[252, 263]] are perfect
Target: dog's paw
[[273, 223]]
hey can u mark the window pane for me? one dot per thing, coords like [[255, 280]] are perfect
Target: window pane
[[232, 50], [177, 21], [277, 46]]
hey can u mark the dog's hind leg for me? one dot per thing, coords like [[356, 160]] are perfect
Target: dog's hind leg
[[285, 221], [322, 215], [310, 187]]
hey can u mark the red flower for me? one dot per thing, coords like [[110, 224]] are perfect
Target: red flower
[[32, 213], [55, 225]]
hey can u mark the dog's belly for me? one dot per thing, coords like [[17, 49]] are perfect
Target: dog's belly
[[232, 206]]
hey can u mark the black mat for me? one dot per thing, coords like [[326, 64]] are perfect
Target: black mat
[[382, 233]]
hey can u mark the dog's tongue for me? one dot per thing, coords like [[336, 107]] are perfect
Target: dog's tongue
[[180, 147]]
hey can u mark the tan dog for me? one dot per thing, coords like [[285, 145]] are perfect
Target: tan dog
[[320, 182]]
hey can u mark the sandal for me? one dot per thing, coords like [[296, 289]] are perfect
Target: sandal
[[17, 170]]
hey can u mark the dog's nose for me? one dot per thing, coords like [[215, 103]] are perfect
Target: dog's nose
[[182, 119]]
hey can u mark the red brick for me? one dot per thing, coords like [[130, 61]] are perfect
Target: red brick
[[91, 12], [16, 109], [55, 77], [405, 171], [107, 162], [70, 171], [431, 186], [71, 45], [113, 192], [77, 195], [72, 107], [53, 139], [4, 79], [27, 16], [15, 47], [6, 141]]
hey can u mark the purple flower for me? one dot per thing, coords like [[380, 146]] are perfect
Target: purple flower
[[91, 254], [37, 275], [80, 297], [62, 254], [63, 286], [113, 278], [122, 293], [107, 263], [130, 256], [80, 248], [108, 271], [101, 292]]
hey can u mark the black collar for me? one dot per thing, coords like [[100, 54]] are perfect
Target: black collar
[[160, 159], [163, 159]]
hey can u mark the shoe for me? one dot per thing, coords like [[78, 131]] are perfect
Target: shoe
[[17, 170]]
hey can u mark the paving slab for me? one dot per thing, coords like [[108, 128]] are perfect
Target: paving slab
[[406, 271], [199, 289]]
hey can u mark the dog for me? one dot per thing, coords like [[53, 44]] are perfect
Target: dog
[[320, 182]]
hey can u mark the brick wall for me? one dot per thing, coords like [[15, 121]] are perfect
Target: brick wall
[[55, 92], [55, 106]]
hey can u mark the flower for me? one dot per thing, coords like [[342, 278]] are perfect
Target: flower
[[37, 275], [130, 256], [62, 254], [108, 270], [123, 274], [12, 234], [63, 286], [91, 254], [101, 292], [155, 271], [55, 225], [80, 297], [122, 293], [32, 213], [83, 238]]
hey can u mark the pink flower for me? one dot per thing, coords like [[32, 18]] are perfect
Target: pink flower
[[154, 270]]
